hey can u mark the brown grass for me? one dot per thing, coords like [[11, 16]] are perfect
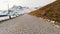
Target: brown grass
[[51, 11]]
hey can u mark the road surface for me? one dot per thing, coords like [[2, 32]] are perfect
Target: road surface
[[27, 24]]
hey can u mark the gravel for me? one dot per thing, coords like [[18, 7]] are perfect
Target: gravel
[[27, 24]]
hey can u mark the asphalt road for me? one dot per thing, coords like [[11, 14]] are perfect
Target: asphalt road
[[27, 24]]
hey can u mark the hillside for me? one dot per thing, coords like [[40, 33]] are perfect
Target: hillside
[[51, 11]]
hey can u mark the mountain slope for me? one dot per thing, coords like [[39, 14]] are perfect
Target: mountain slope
[[51, 11], [14, 11]]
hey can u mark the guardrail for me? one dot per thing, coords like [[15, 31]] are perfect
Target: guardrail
[[12, 17]]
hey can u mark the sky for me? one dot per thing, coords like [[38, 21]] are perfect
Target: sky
[[28, 3]]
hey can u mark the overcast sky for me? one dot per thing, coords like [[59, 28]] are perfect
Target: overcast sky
[[29, 3]]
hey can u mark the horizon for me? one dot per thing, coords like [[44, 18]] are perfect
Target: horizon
[[27, 3]]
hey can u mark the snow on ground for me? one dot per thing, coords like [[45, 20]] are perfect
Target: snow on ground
[[15, 10], [3, 18]]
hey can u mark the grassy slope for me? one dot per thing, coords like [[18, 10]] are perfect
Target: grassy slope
[[51, 11]]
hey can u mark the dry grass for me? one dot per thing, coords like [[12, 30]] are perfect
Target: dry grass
[[51, 11]]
